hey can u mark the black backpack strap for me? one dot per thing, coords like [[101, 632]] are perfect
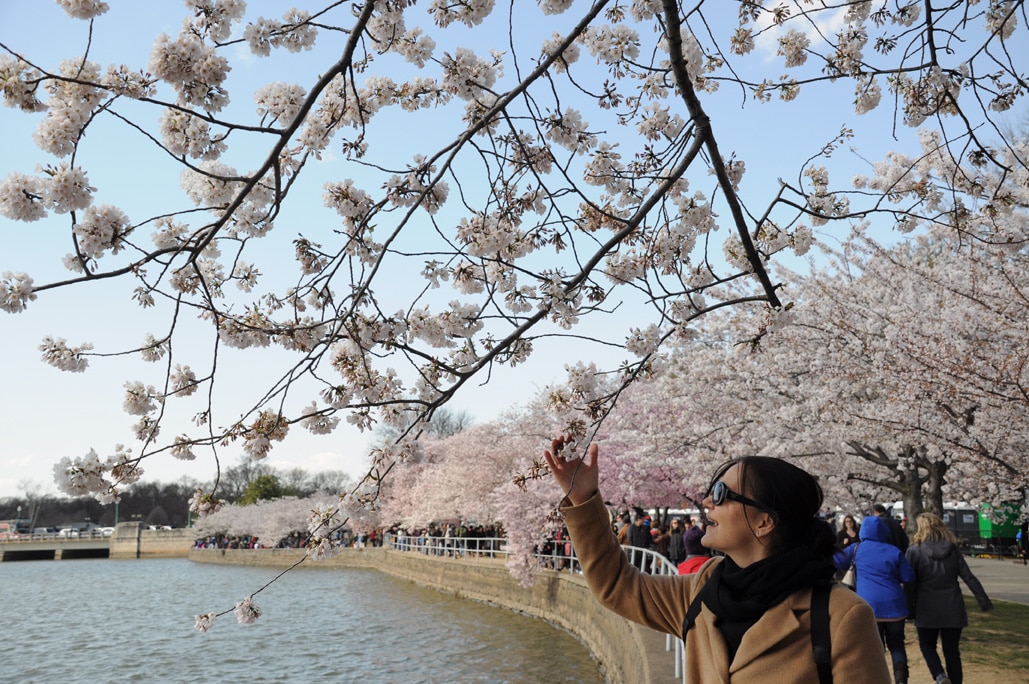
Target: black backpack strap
[[692, 612], [821, 639]]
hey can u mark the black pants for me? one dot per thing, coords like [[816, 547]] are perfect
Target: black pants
[[950, 637], [892, 634]]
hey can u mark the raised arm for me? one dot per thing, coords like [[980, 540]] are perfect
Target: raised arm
[[577, 477]]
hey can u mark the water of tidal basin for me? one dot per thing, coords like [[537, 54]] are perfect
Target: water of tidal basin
[[100, 620]]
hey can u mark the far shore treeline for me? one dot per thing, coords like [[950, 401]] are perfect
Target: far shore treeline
[[160, 504]]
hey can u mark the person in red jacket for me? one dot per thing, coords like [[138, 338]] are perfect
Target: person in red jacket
[[696, 553]]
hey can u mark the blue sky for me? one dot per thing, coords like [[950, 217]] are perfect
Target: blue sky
[[46, 414]]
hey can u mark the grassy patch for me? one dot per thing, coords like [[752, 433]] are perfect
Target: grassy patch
[[996, 639]]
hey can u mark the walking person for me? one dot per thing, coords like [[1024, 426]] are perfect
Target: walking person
[[747, 615], [940, 613], [640, 538], [898, 535], [848, 534], [882, 572], [676, 550]]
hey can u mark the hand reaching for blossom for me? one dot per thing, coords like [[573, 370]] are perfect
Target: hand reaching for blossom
[[578, 477]]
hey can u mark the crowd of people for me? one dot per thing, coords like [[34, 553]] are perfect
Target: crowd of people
[[902, 579], [765, 552], [448, 538]]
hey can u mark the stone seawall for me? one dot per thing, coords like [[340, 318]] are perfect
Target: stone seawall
[[132, 540], [627, 652]]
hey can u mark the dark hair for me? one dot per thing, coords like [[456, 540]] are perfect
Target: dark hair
[[792, 495], [691, 542]]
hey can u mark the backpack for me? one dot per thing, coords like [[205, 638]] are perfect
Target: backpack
[[821, 646]]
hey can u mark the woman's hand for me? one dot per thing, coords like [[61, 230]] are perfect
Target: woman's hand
[[578, 478]]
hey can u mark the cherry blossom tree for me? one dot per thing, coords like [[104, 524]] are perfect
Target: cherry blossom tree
[[575, 171], [270, 520], [897, 372]]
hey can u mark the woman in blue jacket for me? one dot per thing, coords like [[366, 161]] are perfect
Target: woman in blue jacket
[[882, 570]]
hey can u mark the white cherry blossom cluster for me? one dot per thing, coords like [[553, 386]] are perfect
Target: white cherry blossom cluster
[[215, 17], [246, 611], [317, 421], [793, 46], [204, 503], [204, 622], [867, 94], [323, 523], [468, 12], [562, 307], [350, 202], [182, 448], [83, 9], [18, 84], [612, 45], [102, 228], [568, 56], [467, 75], [183, 381], [659, 123], [67, 189], [568, 130], [644, 342], [69, 106], [268, 427], [214, 185], [121, 80], [194, 69], [15, 292], [295, 33], [186, 134], [850, 45], [1002, 17], [141, 400], [824, 204], [280, 101], [88, 475], [153, 350], [21, 197], [58, 354]]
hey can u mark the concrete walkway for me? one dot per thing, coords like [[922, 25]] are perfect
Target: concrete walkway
[[1003, 579]]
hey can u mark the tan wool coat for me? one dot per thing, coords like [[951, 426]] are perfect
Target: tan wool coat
[[776, 649]]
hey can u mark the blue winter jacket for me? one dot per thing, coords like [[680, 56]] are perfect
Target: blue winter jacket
[[881, 570]]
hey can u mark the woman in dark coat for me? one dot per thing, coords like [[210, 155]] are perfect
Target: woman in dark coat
[[939, 608], [849, 534]]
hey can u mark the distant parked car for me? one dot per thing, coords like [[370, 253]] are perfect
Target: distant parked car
[[68, 533], [106, 531]]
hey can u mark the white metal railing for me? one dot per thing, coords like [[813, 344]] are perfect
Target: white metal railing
[[557, 558]]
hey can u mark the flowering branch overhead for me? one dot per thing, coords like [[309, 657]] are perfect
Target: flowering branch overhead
[[478, 204]]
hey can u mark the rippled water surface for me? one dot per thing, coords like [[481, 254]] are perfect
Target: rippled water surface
[[101, 620]]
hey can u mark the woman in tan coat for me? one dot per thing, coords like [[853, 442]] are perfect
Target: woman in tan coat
[[754, 622]]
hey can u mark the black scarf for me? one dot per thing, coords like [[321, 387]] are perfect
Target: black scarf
[[739, 596]]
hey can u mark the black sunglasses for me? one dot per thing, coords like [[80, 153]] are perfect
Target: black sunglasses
[[720, 491]]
